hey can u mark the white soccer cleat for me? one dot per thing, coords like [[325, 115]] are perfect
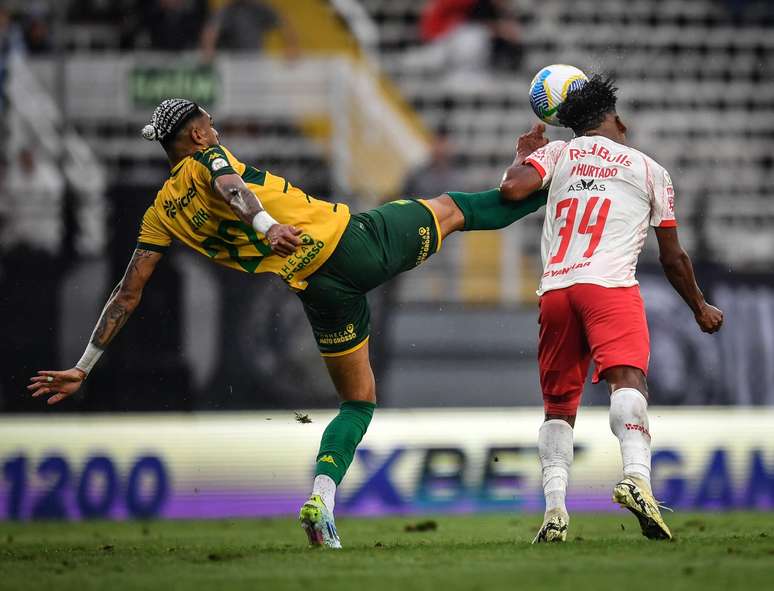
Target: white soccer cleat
[[554, 528], [318, 523], [639, 500]]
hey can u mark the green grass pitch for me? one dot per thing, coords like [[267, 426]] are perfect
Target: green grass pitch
[[489, 552]]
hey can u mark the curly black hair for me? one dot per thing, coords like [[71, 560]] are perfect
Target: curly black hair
[[586, 107]]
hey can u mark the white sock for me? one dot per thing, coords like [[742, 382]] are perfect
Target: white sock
[[326, 488], [629, 422], [556, 453]]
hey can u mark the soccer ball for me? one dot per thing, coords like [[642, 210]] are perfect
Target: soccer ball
[[549, 88]]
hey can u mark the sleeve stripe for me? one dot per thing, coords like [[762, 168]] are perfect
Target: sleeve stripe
[[219, 173], [537, 166], [153, 247], [222, 171], [668, 224]]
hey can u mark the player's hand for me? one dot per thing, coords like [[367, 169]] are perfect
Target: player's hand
[[709, 318], [531, 141], [59, 383], [283, 239]]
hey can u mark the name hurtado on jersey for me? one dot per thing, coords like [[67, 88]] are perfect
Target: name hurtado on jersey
[[602, 198]]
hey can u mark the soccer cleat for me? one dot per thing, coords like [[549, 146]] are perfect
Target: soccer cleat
[[639, 500], [554, 528], [318, 523]]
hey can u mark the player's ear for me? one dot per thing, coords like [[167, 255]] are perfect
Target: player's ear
[[196, 134], [620, 125]]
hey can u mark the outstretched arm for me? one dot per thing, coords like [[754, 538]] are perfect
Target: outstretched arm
[[679, 270], [282, 238], [120, 305], [521, 180]]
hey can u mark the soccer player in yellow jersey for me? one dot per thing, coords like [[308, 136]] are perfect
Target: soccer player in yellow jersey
[[256, 222]]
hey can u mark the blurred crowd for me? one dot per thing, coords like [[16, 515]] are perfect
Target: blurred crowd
[[159, 25], [466, 35], [455, 28]]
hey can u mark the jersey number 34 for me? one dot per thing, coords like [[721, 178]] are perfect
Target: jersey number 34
[[568, 229]]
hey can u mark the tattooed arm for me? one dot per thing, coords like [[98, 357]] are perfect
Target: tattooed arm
[[282, 238], [120, 305], [125, 297]]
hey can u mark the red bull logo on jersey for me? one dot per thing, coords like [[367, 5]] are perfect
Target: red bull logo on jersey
[[600, 151]]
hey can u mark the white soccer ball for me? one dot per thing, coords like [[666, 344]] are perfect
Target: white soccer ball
[[549, 88]]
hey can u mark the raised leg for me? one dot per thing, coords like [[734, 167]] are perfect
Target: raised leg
[[486, 210]]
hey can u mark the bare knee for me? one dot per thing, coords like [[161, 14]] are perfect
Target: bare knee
[[449, 215], [352, 376], [625, 376], [362, 392]]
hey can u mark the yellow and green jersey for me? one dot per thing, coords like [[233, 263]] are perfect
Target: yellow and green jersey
[[188, 208]]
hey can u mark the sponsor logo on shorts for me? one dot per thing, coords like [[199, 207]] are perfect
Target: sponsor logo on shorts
[[424, 250], [636, 427], [329, 460], [339, 337]]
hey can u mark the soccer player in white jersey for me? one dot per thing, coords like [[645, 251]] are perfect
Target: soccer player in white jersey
[[602, 197]]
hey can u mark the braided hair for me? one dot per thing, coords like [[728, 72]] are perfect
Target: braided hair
[[586, 107], [168, 118]]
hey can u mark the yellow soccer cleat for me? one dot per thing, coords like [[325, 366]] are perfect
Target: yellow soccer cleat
[[554, 528], [318, 523], [639, 500]]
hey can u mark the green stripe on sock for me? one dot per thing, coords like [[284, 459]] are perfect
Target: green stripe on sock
[[341, 437]]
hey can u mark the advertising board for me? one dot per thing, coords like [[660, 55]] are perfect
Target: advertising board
[[221, 465]]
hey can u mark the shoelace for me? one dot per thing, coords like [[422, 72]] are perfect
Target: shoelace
[[641, 502], [661, 505]]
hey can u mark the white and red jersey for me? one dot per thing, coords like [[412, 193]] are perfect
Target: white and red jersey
[[601, 200]]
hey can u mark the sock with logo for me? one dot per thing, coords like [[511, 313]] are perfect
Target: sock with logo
[[341, 437], [629, 422], [555, 449], [488, 211]]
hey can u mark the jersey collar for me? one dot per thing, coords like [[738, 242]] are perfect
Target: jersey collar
[[178, 166]]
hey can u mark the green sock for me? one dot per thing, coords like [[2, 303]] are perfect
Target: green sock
[[488, 211], [340, 439]]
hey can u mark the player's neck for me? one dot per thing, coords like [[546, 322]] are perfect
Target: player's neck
[[614, 136], [612, 128], [182, 150], [176, 158]]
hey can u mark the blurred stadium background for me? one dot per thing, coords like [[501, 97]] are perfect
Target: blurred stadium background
[[366, 101]]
